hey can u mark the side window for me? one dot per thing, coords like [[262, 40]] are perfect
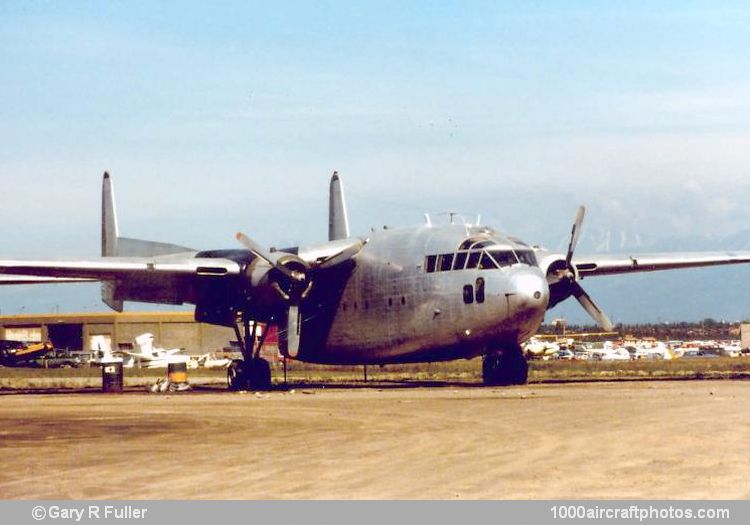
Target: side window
[[480, 290], [445, 263], [459, 261], [473, 261], [429, 263], [468, 294]]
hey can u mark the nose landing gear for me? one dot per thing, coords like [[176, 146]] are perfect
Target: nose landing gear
[[504, 367]]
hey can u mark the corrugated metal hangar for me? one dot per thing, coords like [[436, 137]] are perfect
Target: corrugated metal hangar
[[86, 331]]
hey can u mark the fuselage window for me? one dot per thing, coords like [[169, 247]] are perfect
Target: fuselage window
[[460, 261], [403, 300], [429, 264], [473, 260], [445, 263], [390, 301], [487, 263], [503, 257], [468, 294], [527, 257], [480, 290]]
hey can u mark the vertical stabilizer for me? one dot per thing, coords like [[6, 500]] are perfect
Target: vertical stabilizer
[[109, 218], [338, 223], [109, 240]]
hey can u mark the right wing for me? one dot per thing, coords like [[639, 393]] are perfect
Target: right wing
[[167, 279]]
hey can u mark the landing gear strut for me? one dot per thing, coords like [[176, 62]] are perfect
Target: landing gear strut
[[506, 367], [252, 372]]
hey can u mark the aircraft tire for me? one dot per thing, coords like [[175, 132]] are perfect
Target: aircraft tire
[[506, 368], [518, 367], [236, 375], [260, 375]]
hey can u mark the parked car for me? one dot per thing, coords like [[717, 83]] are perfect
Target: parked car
[[62, 359], [563, 354]]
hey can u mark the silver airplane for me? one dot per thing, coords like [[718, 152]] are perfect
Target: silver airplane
[[413, 294]]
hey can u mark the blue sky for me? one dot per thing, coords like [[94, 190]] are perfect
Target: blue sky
[[218, 118]]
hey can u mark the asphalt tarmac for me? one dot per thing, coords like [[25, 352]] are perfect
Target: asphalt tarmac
[[661, 439]]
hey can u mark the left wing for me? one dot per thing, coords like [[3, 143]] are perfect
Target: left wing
[[650, 262]]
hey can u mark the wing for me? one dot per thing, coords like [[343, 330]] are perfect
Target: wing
[[650, 262], [167, 279], [28, 279]]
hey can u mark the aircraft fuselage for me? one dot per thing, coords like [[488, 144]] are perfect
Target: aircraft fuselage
[[412, 295]]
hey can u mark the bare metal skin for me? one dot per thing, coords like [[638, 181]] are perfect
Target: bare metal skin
[[426, 293]]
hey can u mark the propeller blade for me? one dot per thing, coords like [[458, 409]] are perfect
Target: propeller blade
[[293, 328], [591, 308], [575, 233], [258, 251], [342, 256]]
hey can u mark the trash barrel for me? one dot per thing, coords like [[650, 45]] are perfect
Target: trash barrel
[[112, 377], [177, 373]]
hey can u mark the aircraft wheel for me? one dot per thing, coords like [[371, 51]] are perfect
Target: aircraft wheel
[[508, 367], [517, 366], [236, 377], [492, 370], [260, 375]]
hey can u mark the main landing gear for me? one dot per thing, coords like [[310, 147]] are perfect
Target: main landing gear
[[252, 372], [505, 367]]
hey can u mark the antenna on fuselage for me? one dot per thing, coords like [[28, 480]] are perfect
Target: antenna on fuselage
[[427, 220]]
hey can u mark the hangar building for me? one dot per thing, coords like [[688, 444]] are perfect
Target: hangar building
[[83, 331]]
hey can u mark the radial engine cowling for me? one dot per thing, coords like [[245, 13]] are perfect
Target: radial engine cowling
[[286, 281]]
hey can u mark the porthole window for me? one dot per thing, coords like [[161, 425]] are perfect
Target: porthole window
[[468, 294], [480, 290]]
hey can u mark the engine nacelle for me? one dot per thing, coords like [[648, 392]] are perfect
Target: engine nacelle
[[286, 282], [560, 276]]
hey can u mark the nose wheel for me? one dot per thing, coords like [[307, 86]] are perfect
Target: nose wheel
[[504, 367]]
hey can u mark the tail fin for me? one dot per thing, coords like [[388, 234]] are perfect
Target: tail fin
[[109, 218], [338, 223], [115, 246], [109, 241]]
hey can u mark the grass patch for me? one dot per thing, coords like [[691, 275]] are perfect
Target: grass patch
[[462, 371]]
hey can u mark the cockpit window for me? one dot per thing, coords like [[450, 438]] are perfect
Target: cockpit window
[[445, 262], [460, 261], [487, 262], [527, 257], [482, 244], [430, 262], [492, 257], [473, 260], [504, 257]]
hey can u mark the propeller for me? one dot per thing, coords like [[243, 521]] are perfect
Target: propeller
[[258, 251], [568, 274], [295, 281]]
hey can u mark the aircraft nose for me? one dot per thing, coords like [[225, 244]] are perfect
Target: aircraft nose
[[530, 290]]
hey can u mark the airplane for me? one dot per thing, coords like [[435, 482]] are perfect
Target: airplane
[[150, 357], [432, 292]]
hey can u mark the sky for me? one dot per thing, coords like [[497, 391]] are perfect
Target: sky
[[219, 117]]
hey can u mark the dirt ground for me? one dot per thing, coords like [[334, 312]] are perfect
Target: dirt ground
[[665, 439]]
